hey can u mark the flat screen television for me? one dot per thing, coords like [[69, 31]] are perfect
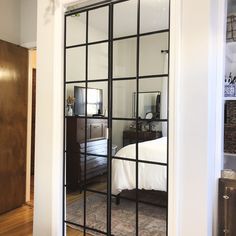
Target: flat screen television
[[94, 101]]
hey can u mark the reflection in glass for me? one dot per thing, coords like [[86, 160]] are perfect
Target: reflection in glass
[[149, 104], [152, 219], [72, 93], [97, 102], [153, 97], [124, 58], [98, 24], [97, 61], [76, 29], [151, 47], [96, 211], [154, 15], [122, 11], [75, 207], [123, 208], [75, 64], [119, 127], [123, 91], [154, 149]]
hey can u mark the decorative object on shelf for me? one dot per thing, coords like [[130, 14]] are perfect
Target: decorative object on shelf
[[69, 111], [230, 90], [231, 28], [230, 85], [228, 174], [149, 115], [70, 101]]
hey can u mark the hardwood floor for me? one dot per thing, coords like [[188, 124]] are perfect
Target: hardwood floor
[[18, 222]]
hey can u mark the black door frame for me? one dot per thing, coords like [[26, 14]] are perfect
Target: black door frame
[[110, 4]]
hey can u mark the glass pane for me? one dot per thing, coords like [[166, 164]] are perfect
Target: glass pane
[[123, 98], [76, 29], [152, 60], [154, 15], [123, 208], [123, 133], [96, 212], [122, 12], [153, 98], [75, 208], [124, 58], [96, 173], [96, 162], [152, 145], [152, 199], [152, 219], [98, 99], [98, 61], [152, 177], [75, 99], [75, 64], [98, 24]]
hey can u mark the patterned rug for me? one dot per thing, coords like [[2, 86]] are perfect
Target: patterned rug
[[152, 219]]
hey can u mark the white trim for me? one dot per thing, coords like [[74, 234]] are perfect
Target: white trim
[[229, 98], [57, 163], [219, 152], [29, 122], [30, 45], [174, 78]]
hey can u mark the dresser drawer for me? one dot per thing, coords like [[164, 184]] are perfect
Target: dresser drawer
[[81, 131], [96, 130]]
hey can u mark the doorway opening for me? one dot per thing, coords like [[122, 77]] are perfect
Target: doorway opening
[[31, 126]]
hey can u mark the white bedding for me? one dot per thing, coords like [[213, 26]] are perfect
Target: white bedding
[[151, 177]]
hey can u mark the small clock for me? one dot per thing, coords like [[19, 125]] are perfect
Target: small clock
[[149, 116]]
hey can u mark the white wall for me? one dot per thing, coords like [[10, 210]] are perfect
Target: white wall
[[28, 23], [18, 22], [196, 117], [49, 120], [10, 21]]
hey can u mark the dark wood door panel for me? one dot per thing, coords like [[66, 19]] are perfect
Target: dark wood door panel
[[13, 124]]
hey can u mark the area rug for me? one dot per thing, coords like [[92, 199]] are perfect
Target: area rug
[[152, 219]]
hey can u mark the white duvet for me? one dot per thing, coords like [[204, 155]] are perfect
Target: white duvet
[[151, 177]]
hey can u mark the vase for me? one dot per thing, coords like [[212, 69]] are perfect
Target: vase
[[69, 111]]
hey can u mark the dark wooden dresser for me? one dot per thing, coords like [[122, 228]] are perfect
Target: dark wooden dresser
[[227, 207], [130, 136], [75, 158]]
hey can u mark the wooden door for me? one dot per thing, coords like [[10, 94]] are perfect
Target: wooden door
[[13, 124]]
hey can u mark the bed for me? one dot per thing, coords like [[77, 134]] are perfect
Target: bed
[[151, 176]]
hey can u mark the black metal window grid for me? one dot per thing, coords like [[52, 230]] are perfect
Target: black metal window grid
[[108, 194]]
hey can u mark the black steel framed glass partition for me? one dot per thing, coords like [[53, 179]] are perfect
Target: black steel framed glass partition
[[116, 80]]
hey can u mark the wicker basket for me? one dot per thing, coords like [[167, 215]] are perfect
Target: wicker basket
[[231, 28]]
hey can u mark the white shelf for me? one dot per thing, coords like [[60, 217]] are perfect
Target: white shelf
[[230, 98], [230, 154], [231, 51]]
